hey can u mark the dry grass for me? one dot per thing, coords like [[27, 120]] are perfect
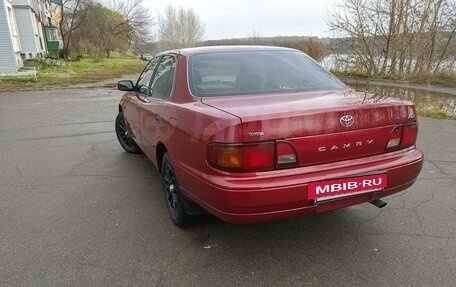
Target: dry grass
[[434, 113], [81, 72]]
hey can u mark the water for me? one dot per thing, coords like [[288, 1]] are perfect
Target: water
[[345, 62], [441, 98]]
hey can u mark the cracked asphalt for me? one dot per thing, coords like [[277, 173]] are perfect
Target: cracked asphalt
[[76, 210]]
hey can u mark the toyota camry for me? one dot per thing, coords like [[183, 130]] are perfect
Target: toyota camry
[[253, 133]]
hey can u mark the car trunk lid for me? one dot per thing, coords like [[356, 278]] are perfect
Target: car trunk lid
[[322, 126]]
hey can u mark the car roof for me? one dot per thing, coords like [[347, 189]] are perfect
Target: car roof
[[220, 49]]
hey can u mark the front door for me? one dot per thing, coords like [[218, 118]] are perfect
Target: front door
[[132, 104], [154, 124]]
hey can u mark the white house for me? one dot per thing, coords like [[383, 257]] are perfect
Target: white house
[[22, 36], [10, 45]]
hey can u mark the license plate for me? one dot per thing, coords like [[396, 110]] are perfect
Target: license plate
[[337, 188]]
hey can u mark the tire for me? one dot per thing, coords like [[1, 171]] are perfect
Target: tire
[[125, 140], [173, 196]]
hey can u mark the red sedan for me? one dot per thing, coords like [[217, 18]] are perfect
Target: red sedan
[[253, 134]]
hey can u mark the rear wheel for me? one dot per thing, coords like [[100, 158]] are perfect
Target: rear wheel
[[123, 135], [173, 196]]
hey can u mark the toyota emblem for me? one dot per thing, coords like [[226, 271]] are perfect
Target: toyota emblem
[[347, 121]]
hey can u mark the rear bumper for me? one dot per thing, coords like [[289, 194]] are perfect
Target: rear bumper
[[265, 196]]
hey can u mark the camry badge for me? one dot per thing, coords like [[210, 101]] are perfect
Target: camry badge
[[347, 121]]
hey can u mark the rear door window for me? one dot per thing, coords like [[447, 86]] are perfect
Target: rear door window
[[144, 79], [163, 80]]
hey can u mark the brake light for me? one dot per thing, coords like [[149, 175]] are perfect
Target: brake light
[[242, 157], [409, 135]]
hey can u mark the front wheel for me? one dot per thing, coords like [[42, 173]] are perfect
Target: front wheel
[[173, 196], [123, 135]]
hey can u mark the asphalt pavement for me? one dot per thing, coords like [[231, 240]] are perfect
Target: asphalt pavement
[[76, 210]]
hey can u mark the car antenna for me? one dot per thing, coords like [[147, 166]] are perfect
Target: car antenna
[[369, 73]]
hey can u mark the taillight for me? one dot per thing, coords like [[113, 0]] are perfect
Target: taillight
[[242, 157], [409, 135], [402, 136], [252, 156]]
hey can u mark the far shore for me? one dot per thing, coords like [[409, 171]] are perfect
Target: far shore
[[431, 87]]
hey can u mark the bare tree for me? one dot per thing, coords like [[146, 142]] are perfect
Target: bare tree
[[72, 15], [101, 26], [254, 37], [130, 19], [179, 28], [93, 36], [393, 37], [315, 49]]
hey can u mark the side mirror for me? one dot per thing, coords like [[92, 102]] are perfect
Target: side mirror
[[125, 85]]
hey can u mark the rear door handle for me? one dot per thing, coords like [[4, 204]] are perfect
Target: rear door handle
[[157, 119], [137, 108]]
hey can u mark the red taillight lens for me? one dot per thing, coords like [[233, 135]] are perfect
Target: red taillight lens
[[242, 157], [259, 157], [409, 135]]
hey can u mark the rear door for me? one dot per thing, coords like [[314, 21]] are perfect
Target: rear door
[[154, 124]]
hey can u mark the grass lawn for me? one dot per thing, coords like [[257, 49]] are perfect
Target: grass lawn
[[80, 72], [434, 113]]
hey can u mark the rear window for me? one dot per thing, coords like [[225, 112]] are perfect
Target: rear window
[[257, 72]]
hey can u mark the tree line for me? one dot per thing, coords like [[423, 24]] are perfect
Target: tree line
[[313, 46], [100, 27]]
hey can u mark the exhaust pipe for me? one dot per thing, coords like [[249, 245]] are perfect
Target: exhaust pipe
[[379, 203]]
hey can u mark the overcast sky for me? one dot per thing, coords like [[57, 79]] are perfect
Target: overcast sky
[[239, 18]]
